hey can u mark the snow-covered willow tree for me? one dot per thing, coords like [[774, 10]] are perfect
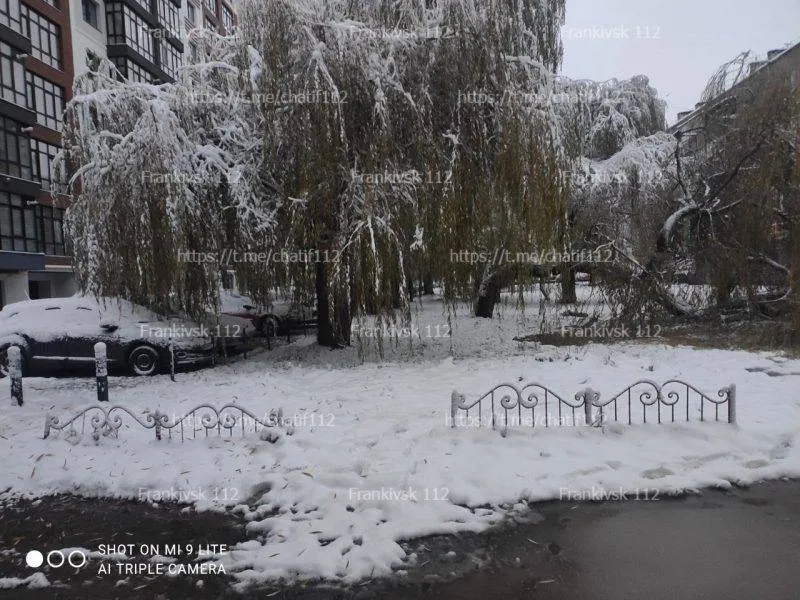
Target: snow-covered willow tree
[[508, 190], [341, 124], [620, 198], [163, 178], [600, 117], [621, 170], [370, 127], [376, 137], [715, 205], [738, 204]]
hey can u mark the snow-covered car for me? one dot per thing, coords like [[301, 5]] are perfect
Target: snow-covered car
[[58, 335], [276, 318]]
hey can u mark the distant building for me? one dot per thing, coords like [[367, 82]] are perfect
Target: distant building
[[145, 39], [36, 80], [702, 123], [43, 45], [709, 119]]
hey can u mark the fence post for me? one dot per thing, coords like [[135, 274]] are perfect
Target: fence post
[[101, 371], [15, 374], [588, 402], [157, 424], [732, 404], [171, 360], [454, 397]]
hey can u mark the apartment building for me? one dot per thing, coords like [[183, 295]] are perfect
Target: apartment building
[[711, 119], [706, 121], [36, 72], [43, 45], [145, 39]]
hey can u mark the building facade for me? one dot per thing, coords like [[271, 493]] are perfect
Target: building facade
[[43, 45], [709, 122], [145, 39], [36, 73], [702, 124]]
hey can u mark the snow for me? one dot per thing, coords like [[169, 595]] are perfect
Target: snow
[[37, 580], [372, 459], [83, 316], [608, 114]]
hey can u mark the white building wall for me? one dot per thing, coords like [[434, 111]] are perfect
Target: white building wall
[[15, 287], [85, 37]]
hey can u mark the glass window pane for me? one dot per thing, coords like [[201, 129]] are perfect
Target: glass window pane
[[5, 220], [16, 223], [30, 224]]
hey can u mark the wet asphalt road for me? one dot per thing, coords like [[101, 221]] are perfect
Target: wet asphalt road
[[742, 544], [738, 545]]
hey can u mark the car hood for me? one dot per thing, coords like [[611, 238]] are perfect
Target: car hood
[[84, 316]]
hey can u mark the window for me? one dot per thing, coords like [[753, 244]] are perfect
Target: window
[[131, 71], [145, 4], [17, 224], [170, 59], [169, 15], [91, 13], [12, 73], [227, 19], [127, 28], [211, 5], [50, 223], [191, 14], [45, 37], [43, 155], [47, 99], [10, 16], [15, 150], [53, 3], [38, 290]]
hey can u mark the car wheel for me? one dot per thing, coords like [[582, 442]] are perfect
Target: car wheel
[[143, 361], [4, 361]]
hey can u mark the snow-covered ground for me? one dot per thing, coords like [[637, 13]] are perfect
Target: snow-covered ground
[[372, 459]]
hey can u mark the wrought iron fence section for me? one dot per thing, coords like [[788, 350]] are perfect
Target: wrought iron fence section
[[642, 401], [107, 421], [103, 421], [512, 400], [727, 395], [649, 394], [226, 418]]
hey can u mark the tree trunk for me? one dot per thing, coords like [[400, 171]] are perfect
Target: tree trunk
[[568, 293], [396, 295], [488, 295], [723, 294], [427, 284], [342, 335], [325, 333]]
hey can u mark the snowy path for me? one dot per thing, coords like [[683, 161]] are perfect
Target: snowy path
[[378, 463]]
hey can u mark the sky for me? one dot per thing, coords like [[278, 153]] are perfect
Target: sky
[[678, 44]]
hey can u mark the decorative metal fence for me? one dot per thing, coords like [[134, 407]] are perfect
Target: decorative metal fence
[[537, 405], [203, 418]]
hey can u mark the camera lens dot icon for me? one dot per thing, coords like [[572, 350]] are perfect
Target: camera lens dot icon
[[34, 559]]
